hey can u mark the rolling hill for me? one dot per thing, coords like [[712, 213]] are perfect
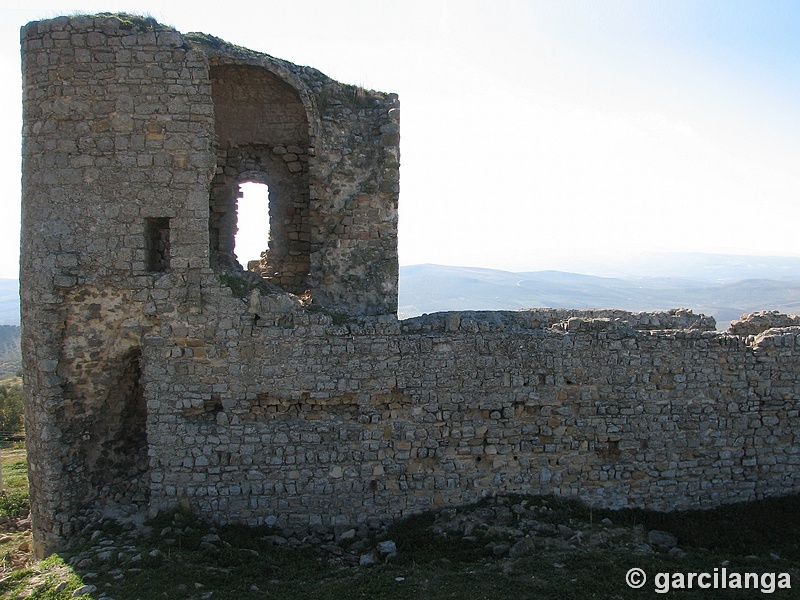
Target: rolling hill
[[9, 302], [704, 288]]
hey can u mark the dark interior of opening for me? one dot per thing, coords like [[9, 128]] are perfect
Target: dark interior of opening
[[262, 135], [156, 241], [118, 457]]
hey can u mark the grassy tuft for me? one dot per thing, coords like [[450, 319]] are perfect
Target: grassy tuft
[[337, 318], [132, 21], [239, 286], [14, 504], [14, 501]]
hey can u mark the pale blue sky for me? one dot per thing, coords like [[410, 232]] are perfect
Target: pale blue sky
[[537, 133]]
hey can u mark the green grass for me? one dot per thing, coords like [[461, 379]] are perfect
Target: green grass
[[50, 579], [14, 500], [11, 406]]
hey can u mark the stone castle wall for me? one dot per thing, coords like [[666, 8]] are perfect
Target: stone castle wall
[[375, 419], [159, 374]]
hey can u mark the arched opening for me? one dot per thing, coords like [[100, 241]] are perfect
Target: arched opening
[[252, 223], [262, 136]]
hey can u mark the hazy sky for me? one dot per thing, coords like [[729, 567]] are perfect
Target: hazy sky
[[535, 132]]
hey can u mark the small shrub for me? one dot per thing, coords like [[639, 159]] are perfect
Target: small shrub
[[337, 318], [12, 412], [14, 504], [240, 287]]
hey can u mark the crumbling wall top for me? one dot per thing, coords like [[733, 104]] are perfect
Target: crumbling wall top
[[558, 319], [759, 322]]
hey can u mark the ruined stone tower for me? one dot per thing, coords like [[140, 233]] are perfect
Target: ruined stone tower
[[136, 139], [159, 374]]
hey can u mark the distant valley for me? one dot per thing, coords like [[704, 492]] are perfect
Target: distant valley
[[9, 302], [10, 354], [722, 286]]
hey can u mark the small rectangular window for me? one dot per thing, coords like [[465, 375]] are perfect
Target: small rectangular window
[[156, 240]]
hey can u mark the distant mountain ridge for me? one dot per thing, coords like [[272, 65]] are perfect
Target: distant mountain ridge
[[10, 351], [704, 288], [723, 286], [719, 268], [9, 302]]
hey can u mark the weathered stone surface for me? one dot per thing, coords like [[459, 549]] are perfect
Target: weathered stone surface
[[386, 548], [524, 547], [83, 590], [158, 376], [759, 322], [661, 540]]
